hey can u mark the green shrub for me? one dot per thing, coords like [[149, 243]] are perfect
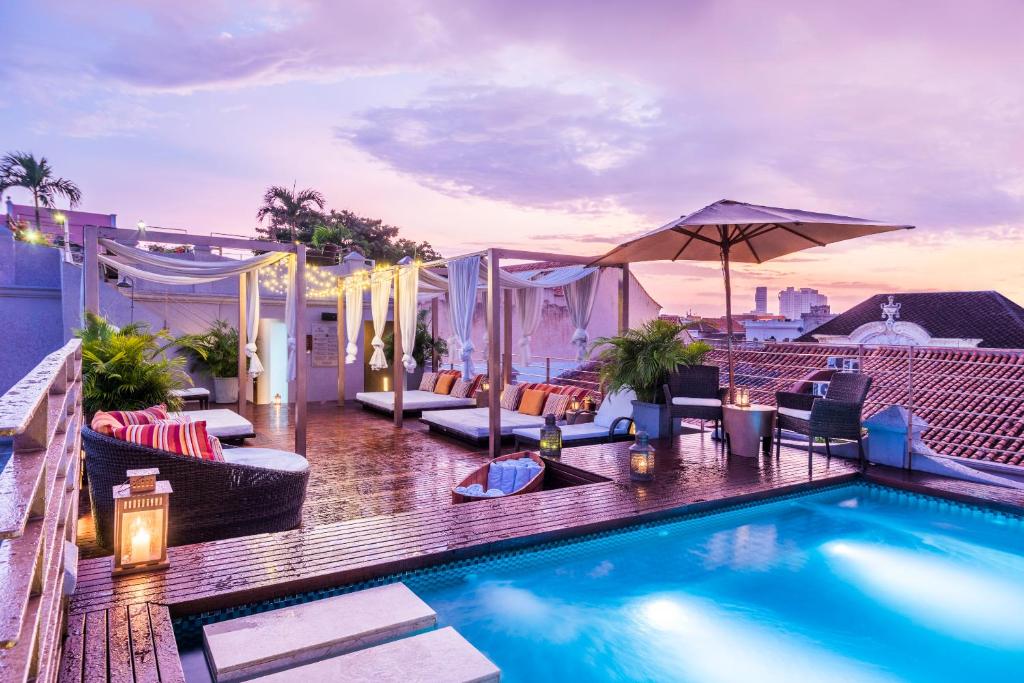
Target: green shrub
[[214, 351]]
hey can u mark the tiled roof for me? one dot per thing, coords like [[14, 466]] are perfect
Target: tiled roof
[[988, 316], [973, 399]]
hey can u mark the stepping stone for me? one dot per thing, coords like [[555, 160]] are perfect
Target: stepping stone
[[441, 656], [291, 636]]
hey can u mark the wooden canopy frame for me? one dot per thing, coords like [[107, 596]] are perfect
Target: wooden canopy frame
[[91, 265], [498, 313]]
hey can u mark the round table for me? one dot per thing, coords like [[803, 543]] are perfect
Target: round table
[[748, 428]]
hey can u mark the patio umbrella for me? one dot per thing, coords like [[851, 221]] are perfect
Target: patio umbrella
[[729, 231]]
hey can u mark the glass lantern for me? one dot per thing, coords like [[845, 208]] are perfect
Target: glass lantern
[[574, 404], [140, 523], [550, 438], [641, 458], [743, 397]]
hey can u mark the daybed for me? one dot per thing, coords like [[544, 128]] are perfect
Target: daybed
[[226, 425], [611, 423], [415, 401], [256, 490], [473, 424]]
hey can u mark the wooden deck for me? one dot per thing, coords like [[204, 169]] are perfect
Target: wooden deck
[[379, 503]]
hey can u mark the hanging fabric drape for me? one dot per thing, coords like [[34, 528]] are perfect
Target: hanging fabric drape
[[407, 306], [252, 318], [579, 298], [529, 302], [353, 320], [380, 292], [463, 280], [142, 261], [290, 313]]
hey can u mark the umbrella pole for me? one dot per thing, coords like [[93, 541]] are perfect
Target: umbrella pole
[[728, 317]]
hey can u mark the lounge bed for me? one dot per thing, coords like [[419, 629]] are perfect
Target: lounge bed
[[226, 425], [414, 402], [611, 423]]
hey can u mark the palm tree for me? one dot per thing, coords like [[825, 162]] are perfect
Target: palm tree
[[289, 209], [20, 169]]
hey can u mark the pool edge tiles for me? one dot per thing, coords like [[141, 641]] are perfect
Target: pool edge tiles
[[188, 628]]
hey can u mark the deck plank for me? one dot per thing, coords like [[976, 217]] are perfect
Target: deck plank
[[119, 647], [142, 648], [94, 667], [73, 655], [164, 645]]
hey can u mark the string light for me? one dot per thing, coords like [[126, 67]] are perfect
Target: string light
[[320, 282]]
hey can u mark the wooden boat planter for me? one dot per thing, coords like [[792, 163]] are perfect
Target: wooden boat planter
[[479, 476]]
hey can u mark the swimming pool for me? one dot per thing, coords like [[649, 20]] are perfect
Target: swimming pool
[[853, 584]]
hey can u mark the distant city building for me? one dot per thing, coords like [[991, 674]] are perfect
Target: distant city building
[[761, 301], [948, 319], [777, 328], [795, 302]]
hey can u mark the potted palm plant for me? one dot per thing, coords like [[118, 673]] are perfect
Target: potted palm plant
[[423, 349], [216, 351], [127, 368], [641, 360]]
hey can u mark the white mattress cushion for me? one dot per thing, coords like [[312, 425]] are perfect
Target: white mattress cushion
[[267, 458], [619, 404], [589, 430], [473, 422], [687, 401], [413, 400], [191, 392], [795, 412], [220, 422]]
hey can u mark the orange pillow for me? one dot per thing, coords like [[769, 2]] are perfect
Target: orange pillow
[[107, 422], [532, 402], [444, 384], [181, 438]]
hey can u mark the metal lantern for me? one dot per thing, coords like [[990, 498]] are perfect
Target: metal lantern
[[641, 458], [743, 397], [574, 404], [140, 522], [550, 438]]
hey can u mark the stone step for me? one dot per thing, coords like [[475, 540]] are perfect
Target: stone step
[[441, 656], [291, 636]]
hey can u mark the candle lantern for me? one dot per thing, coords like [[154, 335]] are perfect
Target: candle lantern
[[277, 400], [140, 522], [550, 438], [588, 403], [743, 397], [574, 404], [641, 458]]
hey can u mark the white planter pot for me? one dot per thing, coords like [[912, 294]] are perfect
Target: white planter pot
[[225, 389]]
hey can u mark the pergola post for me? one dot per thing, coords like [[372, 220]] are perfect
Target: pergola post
[[397, 369], [506, 335], [242, 334], [435, 359], [340, 331], [493, 360], [301, 370], [624, 299], [90, 268]]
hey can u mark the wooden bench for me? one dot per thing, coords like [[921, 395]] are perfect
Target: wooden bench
[[133, 644], [291, 636], [441, 656]]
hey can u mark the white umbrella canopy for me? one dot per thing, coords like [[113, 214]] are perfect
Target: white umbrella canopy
[[729, 231]]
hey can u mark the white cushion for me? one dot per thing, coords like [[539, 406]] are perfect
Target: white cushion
[[267, 458], [413, 400], [589, 430], [794, 412], [474, 422], [191, 392], [220, 422], [619, 404], [705, 402]]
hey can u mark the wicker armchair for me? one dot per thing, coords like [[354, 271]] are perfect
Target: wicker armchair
[[699, 382], [211, 500], [836, 416]]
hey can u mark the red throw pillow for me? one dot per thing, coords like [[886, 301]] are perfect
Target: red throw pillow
[[107, 422], [181, 438]]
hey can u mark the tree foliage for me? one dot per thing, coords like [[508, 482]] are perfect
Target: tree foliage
[[289, 214], [215, 351], [22, 169]]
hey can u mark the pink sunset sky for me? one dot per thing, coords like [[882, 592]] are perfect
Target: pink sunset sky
[[563, 126]]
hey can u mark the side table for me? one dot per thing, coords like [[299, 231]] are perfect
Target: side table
[[748, 429]]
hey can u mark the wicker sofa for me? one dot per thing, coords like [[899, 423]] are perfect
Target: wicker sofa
[[211, 500]]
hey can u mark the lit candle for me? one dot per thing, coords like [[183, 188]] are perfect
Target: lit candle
[[141, 539]]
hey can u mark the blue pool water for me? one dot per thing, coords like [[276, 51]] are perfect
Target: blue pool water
[[852, 584]]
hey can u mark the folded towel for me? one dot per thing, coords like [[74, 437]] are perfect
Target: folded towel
[[494, 474], [494, 493], [508, 478], [525, 474]]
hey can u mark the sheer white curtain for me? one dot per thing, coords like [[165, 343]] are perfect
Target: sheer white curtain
[[463, 280], [408, 293], [252, 323], [529, 302], [579, 298], [380, 292], [290, 313], [353, 321]]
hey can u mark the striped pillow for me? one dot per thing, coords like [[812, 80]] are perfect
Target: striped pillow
[[181, 438], [461, 389], [107, 422], [556, 405], [428, 381], [215, 448], [511, 395]]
